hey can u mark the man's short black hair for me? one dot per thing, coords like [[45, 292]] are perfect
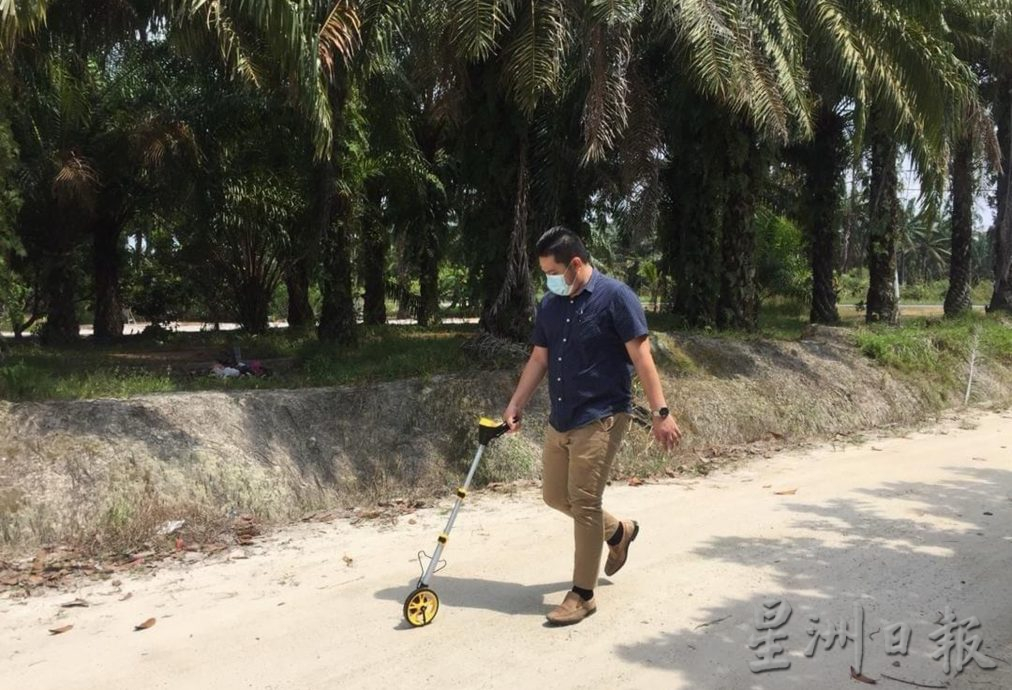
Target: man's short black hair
[[563, 245]]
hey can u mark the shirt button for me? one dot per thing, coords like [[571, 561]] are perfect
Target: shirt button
[[559, 378], [567, 320], [560, 399], [560, 359], [563, 340]]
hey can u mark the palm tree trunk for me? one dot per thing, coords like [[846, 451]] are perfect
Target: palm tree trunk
[[375, 246], [337, 315], [253, 300], [60, 290], [300, 312], [691, 246], [1001, 233], [738, 305], [824, 162], [957, 299], [510, 313], [303, 265], [108, 322], [884, 225], [428, 278]]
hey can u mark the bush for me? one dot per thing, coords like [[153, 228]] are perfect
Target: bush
[[852, 286], [781, 263], [18, 381], [158, 292]]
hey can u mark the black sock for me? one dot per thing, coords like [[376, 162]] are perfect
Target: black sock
[[617, 537], [585, 594]]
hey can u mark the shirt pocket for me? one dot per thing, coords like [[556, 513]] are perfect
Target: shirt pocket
[[590, 326]]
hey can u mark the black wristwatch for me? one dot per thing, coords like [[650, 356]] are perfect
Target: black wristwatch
[[662, 413]]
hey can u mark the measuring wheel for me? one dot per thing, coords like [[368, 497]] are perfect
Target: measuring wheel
[[421, 607]]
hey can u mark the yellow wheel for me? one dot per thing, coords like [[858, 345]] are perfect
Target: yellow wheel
[[421, 607]]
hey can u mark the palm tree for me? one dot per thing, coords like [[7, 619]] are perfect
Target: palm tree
[[972, 28], [998, 88], [19, 17], [725, 50], [712, 86], [887, 55], [407, 97], [102, 135], [1001, 232], [823, 161], [523, 46], [738, 303], [881, 304]]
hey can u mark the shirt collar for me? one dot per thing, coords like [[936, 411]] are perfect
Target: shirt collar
[[589, 287]]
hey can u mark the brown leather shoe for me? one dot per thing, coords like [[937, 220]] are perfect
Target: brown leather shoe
[[573, 609], [620, 552]]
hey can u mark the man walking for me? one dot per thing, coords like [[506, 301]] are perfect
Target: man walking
[[589, 333]]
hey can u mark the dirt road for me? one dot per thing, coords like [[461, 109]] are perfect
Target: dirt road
[[896, 529]]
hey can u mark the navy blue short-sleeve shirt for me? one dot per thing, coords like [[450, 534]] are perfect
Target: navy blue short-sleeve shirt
[[589, 370]]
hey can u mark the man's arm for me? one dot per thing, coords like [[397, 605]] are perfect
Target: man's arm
[[534, 371], [665, 430]]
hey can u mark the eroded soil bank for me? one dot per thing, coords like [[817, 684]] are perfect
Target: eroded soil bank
[[107, 474]]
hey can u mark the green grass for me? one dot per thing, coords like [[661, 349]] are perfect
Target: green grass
[[182, 361], [938, 349], [778, 320], [854, 289], [933, 347], [386, 353]]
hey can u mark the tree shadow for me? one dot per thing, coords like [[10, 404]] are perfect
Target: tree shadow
[[876, 555], [728, 358]]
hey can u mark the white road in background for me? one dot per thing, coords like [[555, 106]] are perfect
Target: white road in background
[[193, 327]]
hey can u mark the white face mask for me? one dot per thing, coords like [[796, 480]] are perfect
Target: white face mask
[[558, 284]]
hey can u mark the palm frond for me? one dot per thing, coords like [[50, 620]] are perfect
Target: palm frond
[[339, 35], [703, 33], [745, 56], [533, 58], [478, 25], [156, 138], [639, 157], [896, 55], [217, 21], [76, 180], [19, 17], [606, 111]]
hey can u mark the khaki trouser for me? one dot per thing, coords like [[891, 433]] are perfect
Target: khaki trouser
[[577, 464]]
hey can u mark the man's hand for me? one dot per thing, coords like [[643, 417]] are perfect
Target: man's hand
[[665, 429], [534, 371], [512, 417], [666, 432]]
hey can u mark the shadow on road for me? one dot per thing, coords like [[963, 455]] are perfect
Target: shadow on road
[[903, 558], [511, 598]]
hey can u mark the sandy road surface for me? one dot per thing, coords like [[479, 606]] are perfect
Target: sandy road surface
[[901, 527]]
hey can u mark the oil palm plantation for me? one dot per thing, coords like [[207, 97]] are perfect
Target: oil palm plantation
[[471, 126]]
